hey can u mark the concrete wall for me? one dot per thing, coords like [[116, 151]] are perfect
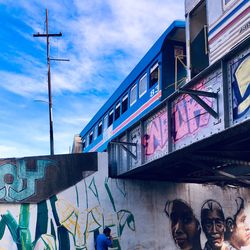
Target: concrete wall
[[136, 211]]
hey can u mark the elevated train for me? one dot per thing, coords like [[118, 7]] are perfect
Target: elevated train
[[184, 51], [151, 81]]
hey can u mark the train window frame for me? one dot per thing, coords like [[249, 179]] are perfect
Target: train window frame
[[228, 3], [110, 120], [152, 70], [91, 137], [95, 132], [83, 144], [87, 141], [117, 110], [144, 77], [134, 88], [105, 122], [99, 128], [124, 101]]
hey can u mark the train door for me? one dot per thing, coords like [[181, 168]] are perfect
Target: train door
[[198, 39]]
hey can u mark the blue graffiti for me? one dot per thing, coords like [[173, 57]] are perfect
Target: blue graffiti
[[17, 183], [241, 87]]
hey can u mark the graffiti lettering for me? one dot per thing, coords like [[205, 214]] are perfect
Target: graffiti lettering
[[157, 134], [12, 187], [241, 88], [189, 116]]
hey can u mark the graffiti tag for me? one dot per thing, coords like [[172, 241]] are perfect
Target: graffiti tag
[[156, 136], [189, 116]]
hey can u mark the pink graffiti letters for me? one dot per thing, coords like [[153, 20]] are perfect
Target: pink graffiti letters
[[157, 134], [189, 116]]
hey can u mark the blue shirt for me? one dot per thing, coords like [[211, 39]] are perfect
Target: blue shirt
[[103, 242]]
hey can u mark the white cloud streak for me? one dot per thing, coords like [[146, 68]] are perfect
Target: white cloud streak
[[104, 40]]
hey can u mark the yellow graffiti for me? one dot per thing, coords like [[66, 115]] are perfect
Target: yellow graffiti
[[242, 75], [68, 216], [47, 242]]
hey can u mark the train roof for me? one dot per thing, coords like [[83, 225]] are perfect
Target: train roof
[[144, 62]]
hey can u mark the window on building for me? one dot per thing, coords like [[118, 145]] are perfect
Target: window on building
[[154, 75], [83, 144], [110, 119], [99, 132], [143, 85], [95, 132], [125, 103], [117, 111], [90, 137], [105, 123], [133, 94], [87, 141]]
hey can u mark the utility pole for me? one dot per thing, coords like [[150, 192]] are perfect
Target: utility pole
[[48, 35]]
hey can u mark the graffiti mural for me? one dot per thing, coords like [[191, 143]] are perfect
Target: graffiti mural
[[156, 135], [34, 179], [189, 116], [68, 225], [133, 210], [231, 233], [17, 183], [185, 227], [213, 225], [238, 226], [240, 75]]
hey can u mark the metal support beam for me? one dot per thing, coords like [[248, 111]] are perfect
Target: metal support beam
[[122, 144], [219, 173], [195, 94]]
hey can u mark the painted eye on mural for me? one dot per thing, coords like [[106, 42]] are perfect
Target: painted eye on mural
[[209, 223]]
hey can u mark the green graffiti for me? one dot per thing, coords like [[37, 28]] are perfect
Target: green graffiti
[[12, 186], [42, 219], [2, 228], [109, 194], [126, 218], [24, 233], [19, 232], [92, 187], [77, 196], [120, 184]]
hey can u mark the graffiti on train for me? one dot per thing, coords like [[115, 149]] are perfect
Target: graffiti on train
[[188, 115], [240, 73], [156, 133]]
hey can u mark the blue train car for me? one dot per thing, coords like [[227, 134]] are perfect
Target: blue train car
[[148, 84]]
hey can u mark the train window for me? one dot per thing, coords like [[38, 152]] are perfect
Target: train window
[[83, 144], [143, 85], [90, 137], [105, 123], [99, 131], [154, 75], [95, 132], [110, 119], [133, 94], [117, 111], [87, 141], [125, 103]]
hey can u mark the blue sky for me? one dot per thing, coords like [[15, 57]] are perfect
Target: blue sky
[[104, 40]]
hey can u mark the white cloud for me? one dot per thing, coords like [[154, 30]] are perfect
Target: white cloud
[[104, 40]]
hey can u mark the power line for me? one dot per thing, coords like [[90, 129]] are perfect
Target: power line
[[48, 35]]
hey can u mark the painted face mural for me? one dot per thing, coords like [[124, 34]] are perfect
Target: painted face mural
[[213, 224], [185, 227], [239, 226]]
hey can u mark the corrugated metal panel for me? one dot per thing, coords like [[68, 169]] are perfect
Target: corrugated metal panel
[[233, 28]]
